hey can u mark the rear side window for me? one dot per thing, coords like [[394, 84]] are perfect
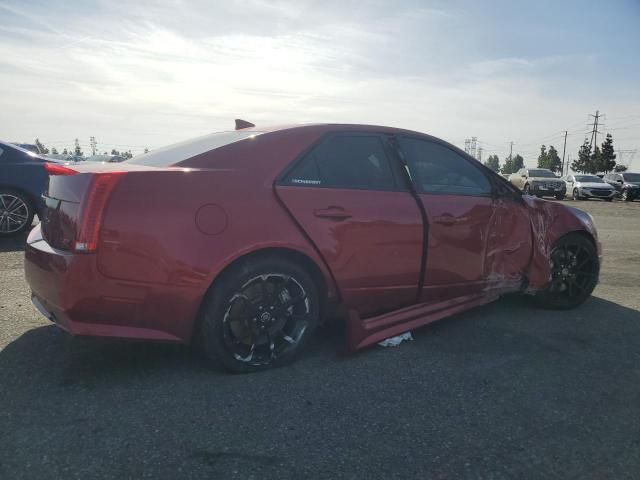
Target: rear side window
[[438, 169], [342, 161]]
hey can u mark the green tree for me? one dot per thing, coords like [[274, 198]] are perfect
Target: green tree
[[518, 163], [493, 162], [582, 163], [607, 155], [65, 151], [41, 147], [620, 168], [127, 154], [554, 162], [543, 158], [146, 150], [507, 167], [595, 161], [54, 151], [114, 152]]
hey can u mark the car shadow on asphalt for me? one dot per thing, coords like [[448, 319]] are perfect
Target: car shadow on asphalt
[[506, 327], [13, 244]]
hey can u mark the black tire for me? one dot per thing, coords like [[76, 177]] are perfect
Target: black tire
[[560, 196], [574, 273], [608, 199], [626, 197], [576, 195], [260, 314], [16, 213]]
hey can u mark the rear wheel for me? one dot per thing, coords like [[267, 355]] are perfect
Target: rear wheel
[[259, 315], [574, 273], [16, 213]]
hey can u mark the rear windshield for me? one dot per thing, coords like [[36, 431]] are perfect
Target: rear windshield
[[589, 178], [176, 153], [632, 177], [541, 173]]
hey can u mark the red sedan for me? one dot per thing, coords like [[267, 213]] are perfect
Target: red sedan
[[245, 241]]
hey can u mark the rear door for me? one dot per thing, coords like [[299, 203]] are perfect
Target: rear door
[[471, 231], [354, 205]]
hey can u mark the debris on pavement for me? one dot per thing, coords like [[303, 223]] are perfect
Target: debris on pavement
[[397, 340]]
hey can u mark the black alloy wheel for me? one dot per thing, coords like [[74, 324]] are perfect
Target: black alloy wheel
[[575, 268], [261, 316]]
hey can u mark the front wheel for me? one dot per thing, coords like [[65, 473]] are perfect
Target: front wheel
[[626, 196], [560, 196], [574, 273], [259, 315], [16, 213], [576, 194]]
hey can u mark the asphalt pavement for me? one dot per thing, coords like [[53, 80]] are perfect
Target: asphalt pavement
[[503, 391]]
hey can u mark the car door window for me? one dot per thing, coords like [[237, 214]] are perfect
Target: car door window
[[436, 168], [345, 161]]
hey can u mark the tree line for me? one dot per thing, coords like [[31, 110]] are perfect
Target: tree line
[[77, 150], [601, 160]]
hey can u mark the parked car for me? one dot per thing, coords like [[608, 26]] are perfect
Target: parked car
[[244, 241], [539, 182], [583, 187], [105, 158], [23, 177], [627, 184]]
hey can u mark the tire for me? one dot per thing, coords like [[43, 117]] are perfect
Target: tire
[[574, 273], [560, 196], [259, 315], [16, 213], [608, 199], [576, 195], [526, 190], [626, 197]]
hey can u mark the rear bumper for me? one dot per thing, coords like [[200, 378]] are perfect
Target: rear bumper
[[68, 289]]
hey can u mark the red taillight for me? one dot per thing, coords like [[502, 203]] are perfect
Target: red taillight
[[93, 206], [54, 169]]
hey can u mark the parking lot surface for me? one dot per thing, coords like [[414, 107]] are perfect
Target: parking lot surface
[[503, 391]]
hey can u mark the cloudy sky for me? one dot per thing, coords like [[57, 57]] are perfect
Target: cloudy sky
[[136, 74]]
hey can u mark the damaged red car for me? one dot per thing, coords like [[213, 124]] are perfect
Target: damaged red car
[[244, 241]]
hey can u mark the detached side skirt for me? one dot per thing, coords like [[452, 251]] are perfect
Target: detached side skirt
[[364, 332]]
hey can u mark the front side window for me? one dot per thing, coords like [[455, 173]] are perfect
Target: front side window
[[438, 169], [345, 161]]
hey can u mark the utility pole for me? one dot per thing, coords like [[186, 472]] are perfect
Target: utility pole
[[480, 154], [510, 150], [564, 149], [94, 144], [594, 131]]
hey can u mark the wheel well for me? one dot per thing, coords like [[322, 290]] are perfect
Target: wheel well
[[300, 258], [585, 234]]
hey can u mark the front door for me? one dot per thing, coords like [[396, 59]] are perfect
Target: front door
[[353, 203], [458, 200]]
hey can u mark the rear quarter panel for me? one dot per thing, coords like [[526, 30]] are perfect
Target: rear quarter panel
[[175, 231]]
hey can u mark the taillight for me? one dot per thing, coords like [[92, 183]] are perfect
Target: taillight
[[93, 206], [54, 169]]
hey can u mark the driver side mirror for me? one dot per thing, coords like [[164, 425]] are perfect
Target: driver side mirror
[[619, 181], [524, 175]]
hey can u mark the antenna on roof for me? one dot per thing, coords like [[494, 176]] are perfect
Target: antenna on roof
[[240, 124]]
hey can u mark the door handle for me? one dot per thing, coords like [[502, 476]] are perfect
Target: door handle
[[446, 219], [335, 213]]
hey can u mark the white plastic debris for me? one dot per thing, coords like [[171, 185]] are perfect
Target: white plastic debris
[[397, 340]]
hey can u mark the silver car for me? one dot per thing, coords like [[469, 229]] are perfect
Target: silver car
[[583, 187]]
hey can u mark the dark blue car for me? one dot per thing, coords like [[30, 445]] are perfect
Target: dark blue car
[[23, 178]]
